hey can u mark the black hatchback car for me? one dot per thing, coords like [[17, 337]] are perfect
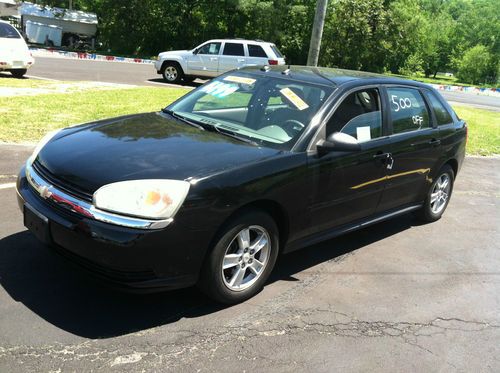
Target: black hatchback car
[[257, 162]]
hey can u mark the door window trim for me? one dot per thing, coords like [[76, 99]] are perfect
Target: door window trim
[[320, 131]]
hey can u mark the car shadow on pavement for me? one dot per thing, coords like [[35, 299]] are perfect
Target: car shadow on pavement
[[70, 299], [6, 74], [193, 84]]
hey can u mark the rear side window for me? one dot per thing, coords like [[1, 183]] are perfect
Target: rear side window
[[408, 110], [442, 115], [276, 51], [233, 49], [256, 51], [7, 31]]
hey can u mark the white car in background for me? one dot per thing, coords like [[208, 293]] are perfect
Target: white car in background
[[14, 52], [215, 57]]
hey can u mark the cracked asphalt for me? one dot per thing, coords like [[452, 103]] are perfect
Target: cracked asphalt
[[398, 296]]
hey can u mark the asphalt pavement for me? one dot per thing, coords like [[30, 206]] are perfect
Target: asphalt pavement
[[145, 74], [398, 296]]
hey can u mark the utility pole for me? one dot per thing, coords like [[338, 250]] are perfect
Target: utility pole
[[317, 33]]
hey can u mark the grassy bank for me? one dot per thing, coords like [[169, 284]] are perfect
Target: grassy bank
[[28, 118]]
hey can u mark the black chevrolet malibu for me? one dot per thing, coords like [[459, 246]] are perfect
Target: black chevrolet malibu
[[257, 162]]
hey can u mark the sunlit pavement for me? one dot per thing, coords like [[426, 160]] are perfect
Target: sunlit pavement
[[398, 296]]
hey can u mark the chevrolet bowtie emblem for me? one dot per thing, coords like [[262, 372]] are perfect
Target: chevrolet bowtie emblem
[[44, 192]]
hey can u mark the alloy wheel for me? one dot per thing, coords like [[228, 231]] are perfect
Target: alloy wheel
[[246, 258], [440, 193], [171, 73]]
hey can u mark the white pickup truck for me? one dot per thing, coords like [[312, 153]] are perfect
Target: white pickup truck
[[215, 57]]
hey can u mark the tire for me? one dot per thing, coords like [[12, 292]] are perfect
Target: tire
[[18, 73], [172, 73], [243, 277], [438, 196]]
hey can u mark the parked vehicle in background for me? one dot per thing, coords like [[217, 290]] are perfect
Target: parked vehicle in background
[[216, 57], [14, 53]]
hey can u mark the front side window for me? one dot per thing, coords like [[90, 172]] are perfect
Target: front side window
[[408, 110], [442, 115], [256, 51], [233, 49], [9, 32], [210, 48], [269, 111], [358, 115]]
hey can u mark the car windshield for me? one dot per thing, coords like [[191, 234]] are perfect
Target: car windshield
[[7, 31], [265, 110]]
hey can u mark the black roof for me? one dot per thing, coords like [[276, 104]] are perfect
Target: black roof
[[326, 75]]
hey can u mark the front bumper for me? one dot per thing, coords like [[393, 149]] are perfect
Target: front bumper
[[130, 258]]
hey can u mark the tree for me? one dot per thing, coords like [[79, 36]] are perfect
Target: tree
[[477, 66]]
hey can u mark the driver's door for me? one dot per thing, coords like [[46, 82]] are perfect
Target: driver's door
[[205, 60], [348, 185]]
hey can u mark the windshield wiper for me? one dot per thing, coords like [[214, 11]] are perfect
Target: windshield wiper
[[232, 134], [183, 119]]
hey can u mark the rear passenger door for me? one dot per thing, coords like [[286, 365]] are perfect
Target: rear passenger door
[[414, 147], [256, 55], [233, 56]]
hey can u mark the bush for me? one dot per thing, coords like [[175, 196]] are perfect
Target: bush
[[477, 66]]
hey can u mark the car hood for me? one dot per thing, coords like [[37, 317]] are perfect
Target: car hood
[[144, 146], [176, 53]]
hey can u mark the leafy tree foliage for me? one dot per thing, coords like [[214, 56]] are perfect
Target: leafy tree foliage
[[407, 36]]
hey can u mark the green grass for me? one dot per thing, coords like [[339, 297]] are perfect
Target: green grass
[[6, 81], [28, 118], [442, 79], [484, 130]]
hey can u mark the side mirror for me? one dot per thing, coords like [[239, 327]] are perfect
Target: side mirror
[[338, 142]]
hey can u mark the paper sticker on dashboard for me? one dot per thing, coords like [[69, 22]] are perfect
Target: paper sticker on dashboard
[[219, 89], [294, 98], [363, 133], [239, 79]]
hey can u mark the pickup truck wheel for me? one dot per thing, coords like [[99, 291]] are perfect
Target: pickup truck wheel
[[172, 73], [18, 73]]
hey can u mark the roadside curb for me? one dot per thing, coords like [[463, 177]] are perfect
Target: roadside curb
[[493, 92], [40, 52]]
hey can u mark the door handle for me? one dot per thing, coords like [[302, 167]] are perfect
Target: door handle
[[241, 60], [435, 142], [386, 158], [381, 155], [213, 58]]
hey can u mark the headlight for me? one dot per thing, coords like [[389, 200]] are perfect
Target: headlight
[[155, 199], [41, 144]]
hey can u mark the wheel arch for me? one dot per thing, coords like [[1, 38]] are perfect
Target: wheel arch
[[171, 60], [453, 163], [271, 207]]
